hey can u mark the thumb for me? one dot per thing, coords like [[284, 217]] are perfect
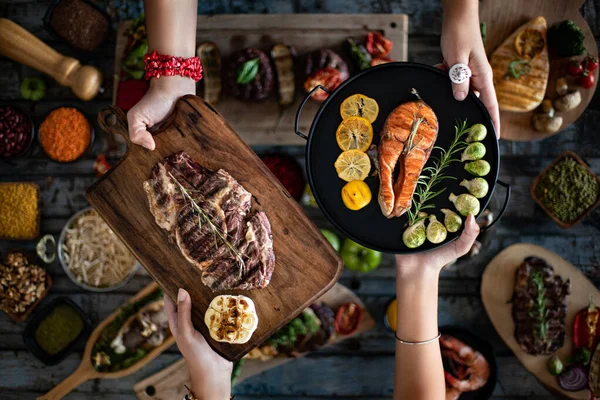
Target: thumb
[[460, 90], [464, 243], [138, 133], [184, 315]]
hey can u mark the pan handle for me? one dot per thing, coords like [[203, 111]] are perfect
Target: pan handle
[[503, 209], [296, 123]]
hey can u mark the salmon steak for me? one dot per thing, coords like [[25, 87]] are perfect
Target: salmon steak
[[407, 138], [525, 92]]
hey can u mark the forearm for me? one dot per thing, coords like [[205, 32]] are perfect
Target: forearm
[[419, 371], [463, 10]]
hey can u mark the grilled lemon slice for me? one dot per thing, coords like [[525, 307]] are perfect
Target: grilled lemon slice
[[354, 133], [353, 165], [529, 43], [359, 105], [231, 319]]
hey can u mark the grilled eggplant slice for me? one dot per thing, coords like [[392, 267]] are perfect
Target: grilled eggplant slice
[[260, 86], [210, 57], [325, 58], [284, 66]]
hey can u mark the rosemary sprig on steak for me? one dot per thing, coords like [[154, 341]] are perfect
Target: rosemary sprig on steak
[[539, 311], [218, 234]]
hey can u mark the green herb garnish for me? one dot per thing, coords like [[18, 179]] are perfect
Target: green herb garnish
[[431, 176], [518, 68], [539, 311], [247, 72]]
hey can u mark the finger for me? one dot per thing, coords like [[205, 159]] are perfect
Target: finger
[[184, 315], [171, 314], [138, 133], [460, 90], [441, 66], [488, 97], [464, 243]]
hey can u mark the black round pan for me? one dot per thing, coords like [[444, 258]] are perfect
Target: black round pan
[[390, 86]]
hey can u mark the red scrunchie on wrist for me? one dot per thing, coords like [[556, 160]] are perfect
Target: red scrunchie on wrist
[[158, 65]]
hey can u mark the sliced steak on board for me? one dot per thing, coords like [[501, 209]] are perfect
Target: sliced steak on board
[[524, 309], [227, 205]]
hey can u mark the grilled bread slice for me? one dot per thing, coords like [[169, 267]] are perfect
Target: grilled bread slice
[[527, 92]]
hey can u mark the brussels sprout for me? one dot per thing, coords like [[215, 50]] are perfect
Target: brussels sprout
[[452, 220], [476, 133], [465, 204], [478, 187], [474, 151], [436, 231], [555, 366], [478, 168], [414, 236]]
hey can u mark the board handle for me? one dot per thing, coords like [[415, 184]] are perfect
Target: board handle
[[503, 209], [83, 373], [114, 120], [297, 122]]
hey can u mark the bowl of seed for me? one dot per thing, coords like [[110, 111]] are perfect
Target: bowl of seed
[[567, 190]]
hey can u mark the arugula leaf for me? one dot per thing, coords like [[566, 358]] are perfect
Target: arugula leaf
[[247, 72]]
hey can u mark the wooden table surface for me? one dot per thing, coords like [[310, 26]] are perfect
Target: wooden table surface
[[358, 368]]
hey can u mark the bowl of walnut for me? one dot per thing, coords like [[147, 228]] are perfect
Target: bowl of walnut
[[23, 285]]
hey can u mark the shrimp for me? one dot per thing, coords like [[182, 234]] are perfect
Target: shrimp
[[460, 355]]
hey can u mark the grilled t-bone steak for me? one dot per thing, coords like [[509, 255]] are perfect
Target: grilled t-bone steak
[[227, 205], [531, 275]]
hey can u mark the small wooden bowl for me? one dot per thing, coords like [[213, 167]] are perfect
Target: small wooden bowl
[[23, 316], [535, 182]]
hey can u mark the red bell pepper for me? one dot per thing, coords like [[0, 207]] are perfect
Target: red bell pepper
[[377, 45], [586, 327]]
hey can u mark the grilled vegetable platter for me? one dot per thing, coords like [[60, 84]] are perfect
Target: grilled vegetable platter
[[545, 64], [318, 326], [396, 163], [545, 310]]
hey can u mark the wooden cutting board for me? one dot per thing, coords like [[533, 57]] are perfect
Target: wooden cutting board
[[306, 265], [497, 287], [502, 18], [170, 382], [266, 123]]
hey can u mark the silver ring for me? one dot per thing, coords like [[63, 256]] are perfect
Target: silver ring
[[459, 73]]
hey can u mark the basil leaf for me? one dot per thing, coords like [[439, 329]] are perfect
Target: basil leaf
[[247, 72]]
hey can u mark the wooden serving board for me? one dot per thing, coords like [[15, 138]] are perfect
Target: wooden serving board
[[170, 382], [266, 123], [497, 286], [305, 266], [502, 18], [86, 370]]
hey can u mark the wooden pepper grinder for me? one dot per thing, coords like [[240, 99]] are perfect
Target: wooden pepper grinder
[[20, 45]]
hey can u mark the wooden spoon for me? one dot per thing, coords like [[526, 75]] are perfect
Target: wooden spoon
[[86, 370], [20, 45]]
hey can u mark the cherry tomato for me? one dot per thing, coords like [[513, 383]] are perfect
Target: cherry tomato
[[590, 63], [377, 45], [574, 68], [327, 77], [587, 80], [347, 318], [380, 60]]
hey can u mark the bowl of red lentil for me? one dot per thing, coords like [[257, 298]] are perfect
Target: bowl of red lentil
[[65, 134], [16, 131]]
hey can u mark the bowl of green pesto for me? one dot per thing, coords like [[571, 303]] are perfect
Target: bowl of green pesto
[[567, 190], [55, 330]]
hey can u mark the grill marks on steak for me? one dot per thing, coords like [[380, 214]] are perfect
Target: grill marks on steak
[[227, 204], [523, 304]]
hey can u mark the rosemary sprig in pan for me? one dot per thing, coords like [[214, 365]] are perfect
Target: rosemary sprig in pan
[[539, 311], [433, 175], [218, 234]]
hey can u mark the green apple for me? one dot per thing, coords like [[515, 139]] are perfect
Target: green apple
[[332, 239], [359, 258]]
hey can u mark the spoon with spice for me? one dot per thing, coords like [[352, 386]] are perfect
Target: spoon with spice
[[20, 45]]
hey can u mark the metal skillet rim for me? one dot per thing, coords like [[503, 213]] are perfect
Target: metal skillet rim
[[309, 173]]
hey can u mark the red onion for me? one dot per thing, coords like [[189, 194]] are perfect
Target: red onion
[[573, 378]]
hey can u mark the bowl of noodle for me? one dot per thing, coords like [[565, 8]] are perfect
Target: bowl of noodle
[[92, 255]]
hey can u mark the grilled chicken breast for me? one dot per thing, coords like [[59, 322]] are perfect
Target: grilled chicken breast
[[527, 92], [407, 139]]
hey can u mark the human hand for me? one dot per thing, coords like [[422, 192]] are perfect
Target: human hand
[[462, 44], [156, 104], [433, 261], [210, 373]]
